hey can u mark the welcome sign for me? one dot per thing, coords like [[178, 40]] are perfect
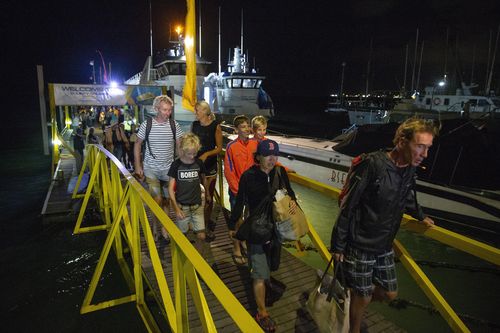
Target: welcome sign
[[89, 94]]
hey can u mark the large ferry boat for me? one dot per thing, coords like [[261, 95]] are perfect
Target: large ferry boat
[[169, 70]]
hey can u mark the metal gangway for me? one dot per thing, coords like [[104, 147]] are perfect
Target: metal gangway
[[190, 292]]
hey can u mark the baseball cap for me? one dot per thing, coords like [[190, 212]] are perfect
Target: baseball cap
[[268, 147]]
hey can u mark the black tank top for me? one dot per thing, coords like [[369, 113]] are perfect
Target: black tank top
[[207, 139]]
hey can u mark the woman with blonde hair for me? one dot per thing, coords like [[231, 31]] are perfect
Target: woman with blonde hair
[[208, 129]]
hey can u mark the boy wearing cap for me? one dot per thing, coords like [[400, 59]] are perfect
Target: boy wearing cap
[[255, 186]]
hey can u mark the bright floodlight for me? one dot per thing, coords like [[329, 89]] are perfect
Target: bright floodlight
[[189, 42], [178, 29], [113, 84], [441, 83]]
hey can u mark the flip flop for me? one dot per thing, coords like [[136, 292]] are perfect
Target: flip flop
[[239, 260]]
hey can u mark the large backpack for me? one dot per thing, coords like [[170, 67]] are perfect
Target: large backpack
[[348, 184], [149, 125], [352, 175]]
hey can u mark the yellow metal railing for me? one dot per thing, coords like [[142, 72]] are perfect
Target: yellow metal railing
[[123, 201], [478, 249]]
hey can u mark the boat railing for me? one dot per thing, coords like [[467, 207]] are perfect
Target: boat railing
[[124, 203], [228, 129]]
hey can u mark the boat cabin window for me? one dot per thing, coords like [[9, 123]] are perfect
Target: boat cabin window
[[473, 102], [446, 101], [496, 102], [259, 82], [427, 101], [249, 83], [236, 83], [228, 83]]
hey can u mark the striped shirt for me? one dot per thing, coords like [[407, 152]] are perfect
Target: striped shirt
[[161, 143]]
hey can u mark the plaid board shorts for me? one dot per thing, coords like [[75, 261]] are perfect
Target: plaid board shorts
[[363, 269]]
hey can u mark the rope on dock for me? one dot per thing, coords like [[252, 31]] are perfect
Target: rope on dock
[[401, 304]]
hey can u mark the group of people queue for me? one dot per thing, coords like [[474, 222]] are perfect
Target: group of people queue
[[370, 213]]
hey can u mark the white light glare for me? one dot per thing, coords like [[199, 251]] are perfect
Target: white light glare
[[188, 42], [56, 142]]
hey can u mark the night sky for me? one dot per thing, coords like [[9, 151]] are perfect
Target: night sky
[[298, 45]]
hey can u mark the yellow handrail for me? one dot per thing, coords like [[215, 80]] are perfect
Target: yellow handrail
[[478, 249], [122, 201]]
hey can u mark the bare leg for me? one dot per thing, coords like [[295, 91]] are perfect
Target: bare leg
[[259, 291], [200, 243], [357, 309], [156, 224], [209, 207], [165, 204], [382, 295]]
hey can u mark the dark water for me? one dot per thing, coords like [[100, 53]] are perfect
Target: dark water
[[45, 270], [305, 116]]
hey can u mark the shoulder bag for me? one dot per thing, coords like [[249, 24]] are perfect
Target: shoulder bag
[[328, 303], [289, 227]]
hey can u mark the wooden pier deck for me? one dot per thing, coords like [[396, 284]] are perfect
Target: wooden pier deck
[[294, 277], [286, 304]]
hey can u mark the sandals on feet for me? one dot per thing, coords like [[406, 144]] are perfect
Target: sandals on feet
[[267, 324], [239, 260]]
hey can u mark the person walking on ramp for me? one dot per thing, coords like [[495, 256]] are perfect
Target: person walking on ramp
[[379, 189]]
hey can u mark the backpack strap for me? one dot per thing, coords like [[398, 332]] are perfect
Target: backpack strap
[[276, 180], [174, 133], [149, 125]]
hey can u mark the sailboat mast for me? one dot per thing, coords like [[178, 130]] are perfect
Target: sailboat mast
[[406, 70], [199, 28], [414, 63], [473, 63], [150, 31], [420, 65], [219, 44], [446, 52], [493, 62], [368, 66], [488, 62]]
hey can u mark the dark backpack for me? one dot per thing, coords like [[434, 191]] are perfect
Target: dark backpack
[[149, 124], [352, 175]]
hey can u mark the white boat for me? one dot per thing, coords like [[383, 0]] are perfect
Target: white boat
[[435, 103], [170, 71], [359, 112], [471, 211], [237, 91]]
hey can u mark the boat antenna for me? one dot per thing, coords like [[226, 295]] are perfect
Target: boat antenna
[[219, 44], [420, 65], [150, 30], [242, 49], [199, 28]]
